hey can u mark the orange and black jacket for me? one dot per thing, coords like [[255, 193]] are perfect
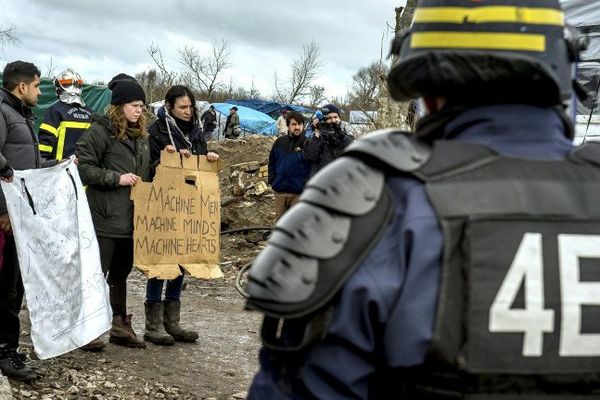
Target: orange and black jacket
[[63, 125]]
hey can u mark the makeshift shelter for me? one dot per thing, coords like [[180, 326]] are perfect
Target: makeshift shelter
[[97, 97], [585, 15], [251, 121]]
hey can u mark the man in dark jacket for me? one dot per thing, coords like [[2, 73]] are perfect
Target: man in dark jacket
[[232, 124], [328, 141], [209, 122], [288, 170], [456, 264], [18, 143]]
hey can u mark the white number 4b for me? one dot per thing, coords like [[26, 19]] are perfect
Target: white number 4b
[[533, 320]]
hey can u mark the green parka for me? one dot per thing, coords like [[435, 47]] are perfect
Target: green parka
[[102, 160]]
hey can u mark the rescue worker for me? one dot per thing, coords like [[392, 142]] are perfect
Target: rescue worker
[[461, 262], [66, 120]]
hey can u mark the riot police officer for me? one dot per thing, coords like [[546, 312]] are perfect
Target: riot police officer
[[462, 261]]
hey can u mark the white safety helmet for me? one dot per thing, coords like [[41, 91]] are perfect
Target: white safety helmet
[[68, 85]]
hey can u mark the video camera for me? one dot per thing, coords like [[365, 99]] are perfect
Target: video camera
[[323, 125]]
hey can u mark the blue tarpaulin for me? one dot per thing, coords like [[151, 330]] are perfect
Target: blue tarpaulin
[[251, 121], [268, 107]]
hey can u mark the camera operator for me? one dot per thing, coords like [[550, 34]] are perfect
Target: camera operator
[[328, 140]]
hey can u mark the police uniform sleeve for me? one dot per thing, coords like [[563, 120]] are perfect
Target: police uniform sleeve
[[373, 310], [333, 347], [48, 133]]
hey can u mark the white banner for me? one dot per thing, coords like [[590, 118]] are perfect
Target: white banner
[[67, 295]]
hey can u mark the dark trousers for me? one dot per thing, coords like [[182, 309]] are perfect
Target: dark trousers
[[154, 290], [11, 295], [116, 257]]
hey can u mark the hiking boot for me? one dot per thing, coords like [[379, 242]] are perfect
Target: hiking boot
[[14, 365], [172, 313], [122, 333], [94, 346], [155, 331]]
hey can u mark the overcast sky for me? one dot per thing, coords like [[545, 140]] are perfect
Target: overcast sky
[[102, 38]]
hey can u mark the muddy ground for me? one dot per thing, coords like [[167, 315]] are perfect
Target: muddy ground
[[221, 364]]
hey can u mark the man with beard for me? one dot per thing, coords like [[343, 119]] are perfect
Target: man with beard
[[288, 170], [19, 144], [329, 141]]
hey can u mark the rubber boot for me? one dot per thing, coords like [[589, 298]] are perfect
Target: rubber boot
[[155, 331], [15, 366], [95, 345], [172, 316], [122, 333]]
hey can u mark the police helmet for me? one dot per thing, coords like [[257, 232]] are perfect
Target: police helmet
[[507, 50]]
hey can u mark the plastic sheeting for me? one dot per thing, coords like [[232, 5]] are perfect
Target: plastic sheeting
[[251, 121], [585, 15], [271, 108]]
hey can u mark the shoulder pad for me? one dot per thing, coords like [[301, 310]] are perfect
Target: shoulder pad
[[282, 276], [311, 231], [394, 148], [318, 243], [346, 185]]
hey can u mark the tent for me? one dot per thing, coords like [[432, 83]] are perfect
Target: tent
[[96, 97], [585, 15], [271, 108], [251, 121]]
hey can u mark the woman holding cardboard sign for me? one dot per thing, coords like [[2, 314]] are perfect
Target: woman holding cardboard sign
[[114, 155], [176, 129]]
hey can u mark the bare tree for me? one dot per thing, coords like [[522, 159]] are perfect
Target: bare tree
[[207, 71], [391, 113], [166, 77], [153, 84], [316, 95], [7, 35], [304, 72], [50, 69], [366, 85]]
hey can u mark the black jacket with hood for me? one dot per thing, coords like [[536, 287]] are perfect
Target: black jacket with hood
[[164, 131], [102, 160]]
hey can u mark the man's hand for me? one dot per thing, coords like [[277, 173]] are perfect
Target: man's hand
[[170, 148], [5, 222], [128, 179], [212, 156]]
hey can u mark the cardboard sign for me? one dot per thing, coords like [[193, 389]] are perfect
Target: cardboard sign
[[177, 219]]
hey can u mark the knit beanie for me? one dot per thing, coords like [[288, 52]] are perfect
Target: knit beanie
[[330, 109], [125, 89]]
